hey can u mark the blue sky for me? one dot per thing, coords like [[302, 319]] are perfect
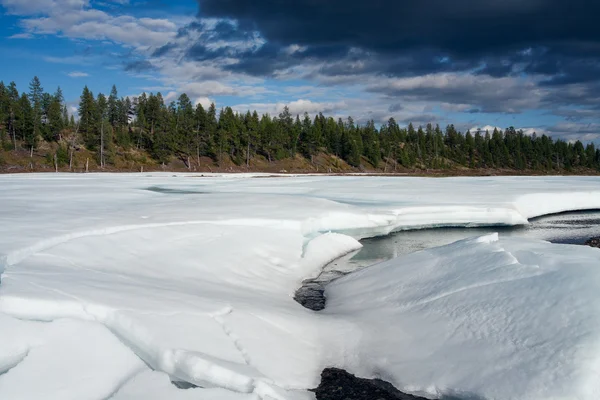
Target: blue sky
[[266, 55]]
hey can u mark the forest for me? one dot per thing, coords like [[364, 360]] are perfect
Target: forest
[[109, 126]]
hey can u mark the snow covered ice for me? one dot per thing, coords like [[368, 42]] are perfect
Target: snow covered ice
[[115, 285]]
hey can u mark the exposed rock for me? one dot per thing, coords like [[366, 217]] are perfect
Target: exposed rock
[[183, 385], [337, 384], [312, 296], [593, 242]]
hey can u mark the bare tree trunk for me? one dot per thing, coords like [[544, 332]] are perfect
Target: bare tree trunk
[[102, 144], [386, 161], [198, 144], [12, 127], [248, 154], [71, 160], [220, 152], [31, 158], [198, 155]]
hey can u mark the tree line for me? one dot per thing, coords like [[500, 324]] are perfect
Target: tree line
[[191, 132]]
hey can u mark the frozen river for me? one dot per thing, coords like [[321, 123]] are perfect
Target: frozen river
[[565, 228], [116, 285]]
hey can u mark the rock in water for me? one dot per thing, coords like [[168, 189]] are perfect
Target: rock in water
[[337, 384], [593, 242], [312, 296]]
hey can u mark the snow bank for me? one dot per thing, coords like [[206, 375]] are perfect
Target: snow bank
[[497, 319], [195, 283], [151, 385], [184, 308]]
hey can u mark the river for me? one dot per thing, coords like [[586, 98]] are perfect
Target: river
[[566, 228]]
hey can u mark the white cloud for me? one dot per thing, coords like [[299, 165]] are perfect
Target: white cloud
[[78, 74], [77, 20], [484, 92], [39, 7], [299, 106], [538, 131], [208, 88], [21, 36], [158, 24], [485, 128], [205, 101], [76, 60]]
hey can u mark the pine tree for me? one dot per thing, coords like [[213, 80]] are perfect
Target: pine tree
[[13, 99], [25, 122], [113, 108], [185, 129], [88, 117], [55, 122], [252, 134], [211, 130], [36, 93]]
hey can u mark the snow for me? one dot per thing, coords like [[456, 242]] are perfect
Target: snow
[[63, 359], [502, 319], [114, 285]]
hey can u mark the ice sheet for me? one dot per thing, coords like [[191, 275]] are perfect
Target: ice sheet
[[508, 319], [193, 277]]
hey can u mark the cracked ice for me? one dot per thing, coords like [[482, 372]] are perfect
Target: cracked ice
[[110, 290]]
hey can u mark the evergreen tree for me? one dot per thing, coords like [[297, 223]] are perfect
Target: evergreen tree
[[88, 117], [113, 108], [25, 122], [190, 132], [36, 93], [55, 123], [185, 129]]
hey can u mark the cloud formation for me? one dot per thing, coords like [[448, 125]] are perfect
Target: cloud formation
[[477, 63], [78, 74]]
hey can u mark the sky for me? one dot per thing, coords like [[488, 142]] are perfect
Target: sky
[[531, 64]]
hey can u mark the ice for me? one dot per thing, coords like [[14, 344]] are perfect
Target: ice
[[506, 319], [64, 359], [151, 385], [118, 284]]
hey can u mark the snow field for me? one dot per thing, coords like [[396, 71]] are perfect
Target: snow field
[[104, 278]]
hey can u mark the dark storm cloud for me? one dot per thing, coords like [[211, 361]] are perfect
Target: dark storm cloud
[[139, 66], [395, 107], [271, 57], [401, 35], [456, 26]]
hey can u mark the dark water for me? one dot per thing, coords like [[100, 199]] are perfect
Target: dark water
[[163, 190], [567, 228]]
